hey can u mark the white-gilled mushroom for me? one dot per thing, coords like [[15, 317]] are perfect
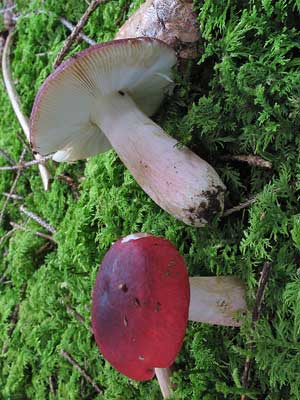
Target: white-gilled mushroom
[[102, 97], [142, 300]]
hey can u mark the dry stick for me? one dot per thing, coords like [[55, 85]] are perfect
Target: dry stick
[[63, 21], [27, 164], [82, 371], [254, 161], [265, 273], [123, 12], [71, 183], [78, 316], [16, 104], [37, 233], [51, 385], [6, 236], [37, 219], [12, 189], [14, 318], [13, 196], [70, 26], [76, 31], [239, 207], [7, 157]]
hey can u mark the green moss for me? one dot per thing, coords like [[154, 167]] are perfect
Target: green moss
[[242, 96]]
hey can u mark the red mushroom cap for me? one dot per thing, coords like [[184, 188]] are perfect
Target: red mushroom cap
[[140, 305]]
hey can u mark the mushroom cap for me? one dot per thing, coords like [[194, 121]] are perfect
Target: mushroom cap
[[61, 116], [140, 305]]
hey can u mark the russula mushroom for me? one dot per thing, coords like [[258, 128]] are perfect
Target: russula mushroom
[[141, 304], [102, 97], [172, 21]]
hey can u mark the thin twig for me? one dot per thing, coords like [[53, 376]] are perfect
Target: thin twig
[[27, 164], [7, 157], [13, 187], [239, 207], [123, 12], [51, 385], [256, 311], [6, 236], [62, 20], [16, 104], [70, 26], [13, 196], [94, 4], [254, 161], [37, 219], [36, 233], [78, 316], [71, 183], [82, 371]]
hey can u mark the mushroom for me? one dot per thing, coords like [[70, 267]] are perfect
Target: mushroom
[[141, 305], [172, 21], [102, 97]]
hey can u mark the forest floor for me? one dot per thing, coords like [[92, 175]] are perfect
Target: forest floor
[[240, 98]]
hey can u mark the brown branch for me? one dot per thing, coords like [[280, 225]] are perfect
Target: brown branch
[[254, 161], [239, 207], [77, 316], [71, 183], [256, 312], [71, 27], [93, 5], [36, 233], [13, 187], [37, 219], [123, 12], [81, 370]]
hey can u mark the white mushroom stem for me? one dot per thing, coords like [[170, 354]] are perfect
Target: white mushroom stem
[[178, 180], [16, 104], [214, 300], [217, 300], [163, 377]]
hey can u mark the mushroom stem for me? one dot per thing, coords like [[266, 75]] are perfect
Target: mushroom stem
[[163, 377], [217, 300], [177, 179]]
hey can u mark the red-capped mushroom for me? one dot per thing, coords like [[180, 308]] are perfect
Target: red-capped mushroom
[[102, 98], [141, 304]]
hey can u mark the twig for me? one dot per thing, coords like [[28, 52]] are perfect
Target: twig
[[14, 318], [13, 196], [37, 233], [51, 385], [123, 12], [7, 157], [71, 183], [70, 26], [82, 371], [78, 316], [62, 20], [254, 161], [76, 31], [4, 237], [12, 189], [37, 219], [256, 311], [27, 164], [16, 104], [239, 207]]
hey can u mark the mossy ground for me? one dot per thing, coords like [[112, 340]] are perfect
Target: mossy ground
[[242, 97]]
